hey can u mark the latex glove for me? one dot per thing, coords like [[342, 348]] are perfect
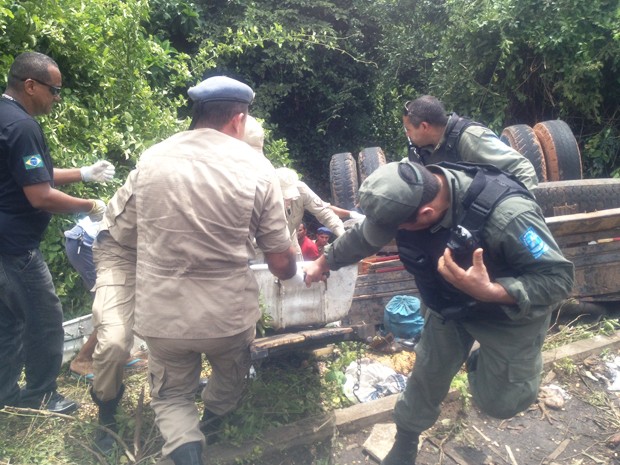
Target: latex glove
[[102, 171], [356, 215], [96, 213]]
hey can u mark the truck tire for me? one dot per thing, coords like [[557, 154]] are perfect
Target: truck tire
[[369, 160], [522, 138], [577, 196], [343, 180], [561, 150]]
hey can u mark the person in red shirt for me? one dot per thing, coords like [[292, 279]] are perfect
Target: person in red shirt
[[323, 235], [308, 248]]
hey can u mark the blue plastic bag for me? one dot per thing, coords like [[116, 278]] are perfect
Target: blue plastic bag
[[402, 317]]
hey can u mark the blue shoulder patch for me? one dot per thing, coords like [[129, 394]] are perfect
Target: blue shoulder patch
[[534, 243], [33, 161]]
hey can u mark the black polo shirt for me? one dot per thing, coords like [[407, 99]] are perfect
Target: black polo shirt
[[24, 160]]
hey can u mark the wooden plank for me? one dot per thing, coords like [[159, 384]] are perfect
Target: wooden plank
[[278, 340], [324, 333], [596, 269], [368, 264], [599, 280], [365, 414], [584, 222], [367, 312], [374, 278], [586, 238], [589, 255], [388, 289], [374, 290], [299, 337], [303, 432], [582, 349], [264, 346]]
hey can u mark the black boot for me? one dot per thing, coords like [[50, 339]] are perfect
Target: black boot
[[189, 453], [405, 448], [210, 425], [107, 409]]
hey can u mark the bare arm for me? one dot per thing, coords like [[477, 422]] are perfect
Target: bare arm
[[282, 264], [64, 176], [340, 212], [44, 197]]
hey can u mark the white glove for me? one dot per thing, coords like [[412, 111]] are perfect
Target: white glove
[[356, 215], [96, 213], [102, 171]]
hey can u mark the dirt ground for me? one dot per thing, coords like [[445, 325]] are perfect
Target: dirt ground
[[578, 424]]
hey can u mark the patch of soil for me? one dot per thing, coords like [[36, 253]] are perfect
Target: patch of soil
[[577, 427]]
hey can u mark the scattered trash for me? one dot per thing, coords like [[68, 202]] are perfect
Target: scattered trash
[[375, 381], [385, 344], [553, 396], [380, 440], [614, 368]]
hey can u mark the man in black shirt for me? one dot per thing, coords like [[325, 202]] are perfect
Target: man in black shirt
[[31, 333]]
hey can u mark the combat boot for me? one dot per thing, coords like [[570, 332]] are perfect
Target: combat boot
[[189, 453], [405, 448], [107, 409]]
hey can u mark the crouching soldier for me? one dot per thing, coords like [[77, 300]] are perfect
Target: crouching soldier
[[488, 270]]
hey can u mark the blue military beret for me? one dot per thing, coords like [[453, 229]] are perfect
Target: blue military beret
[[323, 230], [221, 89]]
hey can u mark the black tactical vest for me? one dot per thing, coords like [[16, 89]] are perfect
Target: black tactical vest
[[420, 250]]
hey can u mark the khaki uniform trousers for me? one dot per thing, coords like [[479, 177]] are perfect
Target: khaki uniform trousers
[[504, 382], [113, 316], [174, 374]]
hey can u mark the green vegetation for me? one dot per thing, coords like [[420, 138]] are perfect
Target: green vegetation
[[461, 385], [560, 335], [285, 389], [329, 76]]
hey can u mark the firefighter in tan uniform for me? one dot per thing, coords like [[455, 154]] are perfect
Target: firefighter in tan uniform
[[114, 253], [196, 201]]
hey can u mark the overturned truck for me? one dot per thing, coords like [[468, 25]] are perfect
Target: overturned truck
[[581, 214]]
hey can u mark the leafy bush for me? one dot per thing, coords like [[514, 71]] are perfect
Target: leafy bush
[[120, 95]]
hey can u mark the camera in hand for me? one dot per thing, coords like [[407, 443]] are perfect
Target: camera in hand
[[462, 242]]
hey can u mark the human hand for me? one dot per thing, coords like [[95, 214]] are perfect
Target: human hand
[[102, 171], [356, 215], [473, 281], [316, 271], [96, 213]]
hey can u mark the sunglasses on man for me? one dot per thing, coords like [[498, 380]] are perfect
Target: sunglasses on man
[[54, 90]]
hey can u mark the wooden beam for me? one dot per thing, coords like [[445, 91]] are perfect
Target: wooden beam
[[584, 222]]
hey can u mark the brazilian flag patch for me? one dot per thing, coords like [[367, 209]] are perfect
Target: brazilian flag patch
[[33, 161]]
